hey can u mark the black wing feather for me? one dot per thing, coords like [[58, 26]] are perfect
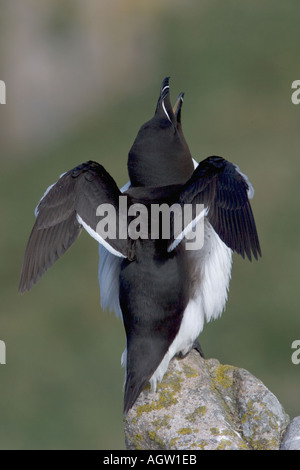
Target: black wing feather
[[77, 192], [44, 247], [218, 185]]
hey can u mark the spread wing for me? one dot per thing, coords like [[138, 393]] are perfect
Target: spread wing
[[225, 192], [67, 206]]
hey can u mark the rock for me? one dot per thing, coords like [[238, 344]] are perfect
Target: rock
[[291, 438], [202, 404]]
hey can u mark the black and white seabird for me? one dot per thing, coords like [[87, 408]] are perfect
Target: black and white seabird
[[163, 291]]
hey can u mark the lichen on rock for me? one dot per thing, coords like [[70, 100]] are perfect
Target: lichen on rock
[[202, 404]]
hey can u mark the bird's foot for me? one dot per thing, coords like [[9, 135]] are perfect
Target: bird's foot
[[196, 345]]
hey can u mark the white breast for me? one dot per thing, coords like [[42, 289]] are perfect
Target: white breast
[[108, 275], [211, 272], [210, 283]]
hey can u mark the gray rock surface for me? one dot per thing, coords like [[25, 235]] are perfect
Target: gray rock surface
[[202, 404], [291, 438]]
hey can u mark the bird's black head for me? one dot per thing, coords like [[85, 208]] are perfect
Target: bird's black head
[[160, 155]]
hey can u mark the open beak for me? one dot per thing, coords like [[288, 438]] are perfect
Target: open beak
[[177, 107]]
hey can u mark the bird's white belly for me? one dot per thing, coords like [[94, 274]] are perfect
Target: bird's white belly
[[210, 276], [210, 282]]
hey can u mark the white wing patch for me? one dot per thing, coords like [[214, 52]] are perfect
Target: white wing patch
[[98, 238], [191, 225], [36, 210], [188, 229], [250, 191]]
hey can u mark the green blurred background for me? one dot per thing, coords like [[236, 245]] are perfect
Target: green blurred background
[[81, 78]]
